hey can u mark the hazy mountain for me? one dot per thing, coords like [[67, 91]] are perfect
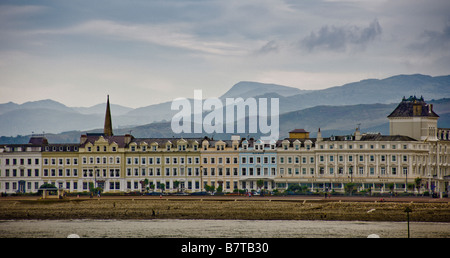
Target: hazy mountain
[[38, 120], [251, 89], [100, 109], [163, 112], [46, 103], [53, 117], [332, 120], [337, 120], [389, 90]]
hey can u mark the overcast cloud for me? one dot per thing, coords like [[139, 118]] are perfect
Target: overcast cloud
[[147, 52]]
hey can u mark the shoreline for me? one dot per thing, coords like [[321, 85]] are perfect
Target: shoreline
[[227, 207]]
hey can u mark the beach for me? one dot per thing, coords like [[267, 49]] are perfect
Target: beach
[[229, 207]]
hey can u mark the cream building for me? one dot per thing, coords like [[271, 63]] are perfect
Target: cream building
[[415, 149], [21, 166], [220, 164]]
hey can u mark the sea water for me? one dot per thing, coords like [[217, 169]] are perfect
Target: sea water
[[167, 228]]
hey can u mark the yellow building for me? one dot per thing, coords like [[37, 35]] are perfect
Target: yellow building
[[299, 134], [61, 166], [220, 164], [102, 161]]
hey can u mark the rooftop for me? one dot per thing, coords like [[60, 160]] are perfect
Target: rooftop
[[413, 107]]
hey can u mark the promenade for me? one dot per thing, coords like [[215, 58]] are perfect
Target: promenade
[[228, 207]]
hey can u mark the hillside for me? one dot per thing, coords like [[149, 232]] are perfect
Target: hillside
[[54, 117], [333, 120]]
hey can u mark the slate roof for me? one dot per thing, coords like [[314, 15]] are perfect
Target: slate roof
[[298, 131], [405, 108]]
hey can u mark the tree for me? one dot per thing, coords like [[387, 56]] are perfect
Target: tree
[[209, 188], [162, 187], [391, 187], [260, 183], [418, 182], [176, 184], [350, 188]]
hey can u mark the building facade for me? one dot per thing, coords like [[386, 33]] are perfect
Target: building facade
[[122, 163]]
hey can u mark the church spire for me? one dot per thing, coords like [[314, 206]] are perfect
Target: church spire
[[107, 130]]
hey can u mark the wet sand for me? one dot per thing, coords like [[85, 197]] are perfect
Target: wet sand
[[242, 208]]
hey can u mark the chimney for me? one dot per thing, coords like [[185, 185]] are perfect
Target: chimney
[[319, 136], [83, 138], [127, 139], [357, 134]]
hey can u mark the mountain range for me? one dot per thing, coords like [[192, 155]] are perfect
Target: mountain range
[[336, 110]]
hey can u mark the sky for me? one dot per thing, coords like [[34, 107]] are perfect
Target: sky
[[144, 52]]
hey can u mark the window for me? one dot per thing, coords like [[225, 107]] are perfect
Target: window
[[361, 170], [394, 171]]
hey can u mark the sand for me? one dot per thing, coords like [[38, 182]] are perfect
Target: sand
[[225, 208]]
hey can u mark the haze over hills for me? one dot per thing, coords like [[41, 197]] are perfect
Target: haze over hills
[[336, 109]]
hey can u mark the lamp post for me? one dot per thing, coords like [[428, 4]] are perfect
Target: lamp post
[[201, 178], [408, 210]]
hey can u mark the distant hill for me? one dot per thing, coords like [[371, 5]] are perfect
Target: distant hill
[[332, 120], [100, 109], [371, 91], [251, 89], [54, 117]]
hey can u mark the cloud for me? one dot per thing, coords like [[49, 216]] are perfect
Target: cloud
[[271, 46], [341, 38], [432, 41], [167, 35]]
